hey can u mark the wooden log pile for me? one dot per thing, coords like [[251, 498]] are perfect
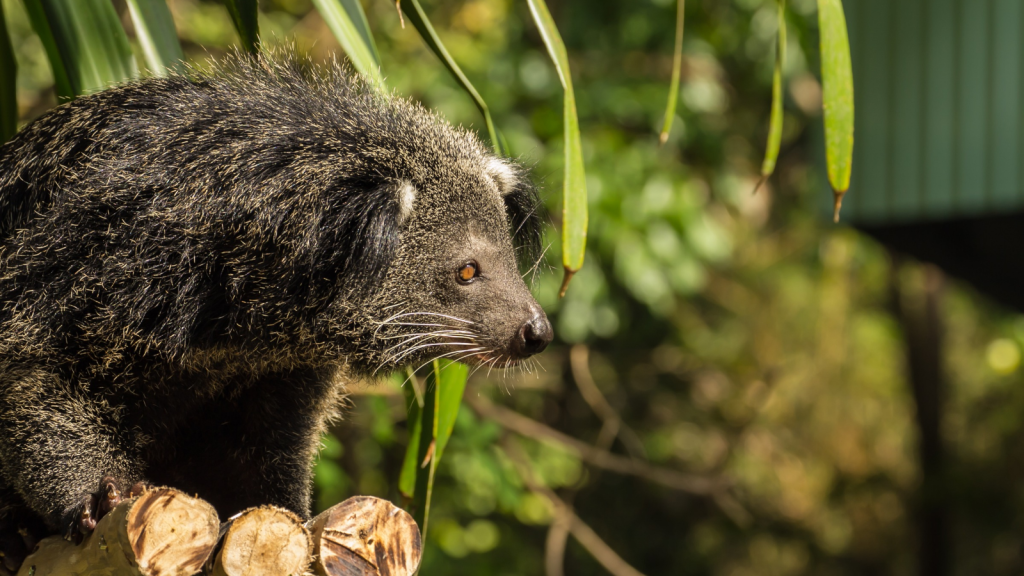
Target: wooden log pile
[[164, 532]]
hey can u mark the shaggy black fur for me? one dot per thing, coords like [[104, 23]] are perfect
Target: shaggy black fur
[[191, 266]]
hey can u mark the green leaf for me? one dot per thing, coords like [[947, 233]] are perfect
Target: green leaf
[[61, 81], [574, 192], [837, 97], [347, 21], [246, 18], [407, 477], [451, 379], [677, 66], [424, 462], [419, 19], [155, 30], [8, 84], [87, 47], [445, 387], [771, 154]]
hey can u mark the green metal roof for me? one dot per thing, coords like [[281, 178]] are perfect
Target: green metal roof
[[939, 110]]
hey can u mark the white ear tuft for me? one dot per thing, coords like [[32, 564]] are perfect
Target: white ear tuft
[[502, 174], [406, 199]]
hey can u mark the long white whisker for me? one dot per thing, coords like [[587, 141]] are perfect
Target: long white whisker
[[438, 332], [412, 324], [421, 339], [419, 347], [537, 263], [404, 314]]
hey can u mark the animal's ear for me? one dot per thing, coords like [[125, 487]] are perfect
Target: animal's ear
[[525, 217], [406, 194], [360, 238], [506, 176]]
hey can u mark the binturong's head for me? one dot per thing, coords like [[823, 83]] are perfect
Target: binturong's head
[[455, 288], [418, 237]]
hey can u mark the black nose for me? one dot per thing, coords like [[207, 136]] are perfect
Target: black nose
[[535, 335]]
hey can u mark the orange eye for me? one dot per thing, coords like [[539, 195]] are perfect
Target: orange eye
[[467, 272]]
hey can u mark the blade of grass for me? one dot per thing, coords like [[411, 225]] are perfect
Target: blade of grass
[[419, 19], [452, 384], [407, 477], [677, 66], [61, 81], [837, 97], [90, 41], [246, 18], [347, 21], [574, 195], [358, 16], [424, 454], [155, 30], [771, 153], [445, 387], [8, 84]]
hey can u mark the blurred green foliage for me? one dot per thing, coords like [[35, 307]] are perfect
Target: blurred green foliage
[[737, 335]]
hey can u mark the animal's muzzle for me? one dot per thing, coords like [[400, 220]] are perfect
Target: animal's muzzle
[[533, 336]]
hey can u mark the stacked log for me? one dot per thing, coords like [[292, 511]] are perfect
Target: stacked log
[[164, 532]]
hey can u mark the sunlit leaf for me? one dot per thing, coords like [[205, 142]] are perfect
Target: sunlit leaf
[[445, 386], [410, 467], [61, 82], [245, 15], [837, 97], [677, 66], [451, 381], [424, 462], [771, 154], [8, 84], [419, 19], [347, 21], [154, 27], [88, 43], [574, 192]]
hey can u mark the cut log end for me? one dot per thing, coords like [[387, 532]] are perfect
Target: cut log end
[[171, 532], [264, 541], [366, 536], [163, 532]]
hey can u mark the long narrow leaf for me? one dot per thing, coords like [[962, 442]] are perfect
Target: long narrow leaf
[[358, 16], [8, 84], [837, 97], [451, 385], [155, 30], [425, 463], [419, 19], [246, 18], [771, 154], [346, 20], [89, 43], [410, 466], [574, 196], [677, 66], [445, 387], [40, 23]]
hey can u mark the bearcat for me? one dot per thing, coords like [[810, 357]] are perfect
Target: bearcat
[[192, 267]]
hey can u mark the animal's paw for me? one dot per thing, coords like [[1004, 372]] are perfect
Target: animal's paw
[[19, 534], [81, 518]]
